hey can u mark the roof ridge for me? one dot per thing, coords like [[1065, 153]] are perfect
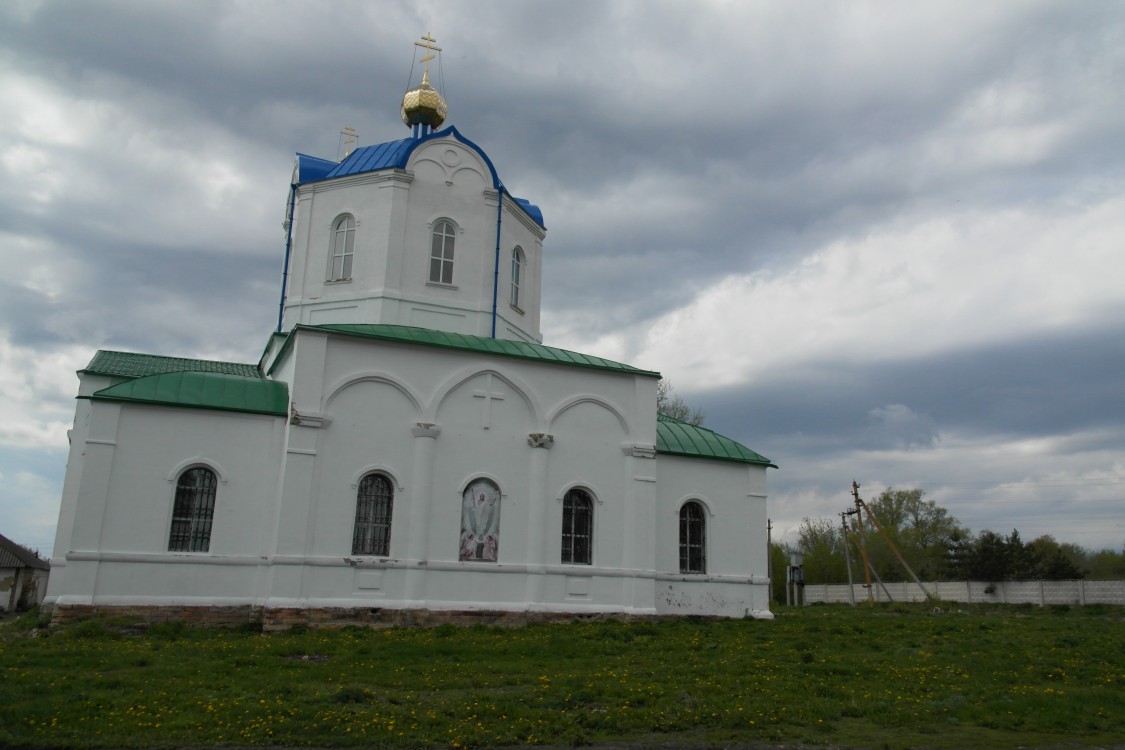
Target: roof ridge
[[137, 364], [472, 342], [22, 553]]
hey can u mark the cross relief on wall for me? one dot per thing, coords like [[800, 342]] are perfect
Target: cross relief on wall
[[487, 396]]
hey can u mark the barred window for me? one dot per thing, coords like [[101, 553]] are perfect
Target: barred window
[[577, 527], [374, 501], [193, 511], [441, 253], [343, 246], [693, 539]]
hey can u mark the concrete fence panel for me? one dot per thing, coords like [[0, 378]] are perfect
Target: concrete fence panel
[[1041, 593]]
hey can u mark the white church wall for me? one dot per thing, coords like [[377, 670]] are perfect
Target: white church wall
[[733, 497], [395, 215], [588, 455], [76, 459], [119, 544], [374, 394]]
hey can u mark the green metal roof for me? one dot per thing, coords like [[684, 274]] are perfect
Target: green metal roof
[[203, 390], [682, 439], [130, 365], [481, 344]]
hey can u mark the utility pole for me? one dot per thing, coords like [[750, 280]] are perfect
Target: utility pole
[[894, 549], [847, 556], [769, 556], [862, 541]]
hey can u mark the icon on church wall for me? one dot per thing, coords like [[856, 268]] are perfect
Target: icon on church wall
[[480, 521]]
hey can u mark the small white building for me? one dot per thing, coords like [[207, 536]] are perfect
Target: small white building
[[405, 445], [23, 577]]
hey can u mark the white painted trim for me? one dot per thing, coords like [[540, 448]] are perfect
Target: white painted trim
[[465, 374], [589, 488], [162, 558], [588, 398], [203, 462], [373, 376], [377, 469], [481, 475], [697, 497]]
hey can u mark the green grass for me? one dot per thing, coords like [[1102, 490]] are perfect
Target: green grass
[[886, 677]]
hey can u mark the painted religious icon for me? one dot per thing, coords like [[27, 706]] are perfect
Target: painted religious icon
[[480, 521]]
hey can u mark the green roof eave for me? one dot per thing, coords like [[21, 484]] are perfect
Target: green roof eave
[[677, 438], [133, 365], [203, 390], [464, 342]]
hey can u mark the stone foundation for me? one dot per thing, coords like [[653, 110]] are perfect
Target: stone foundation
[[324, 617]]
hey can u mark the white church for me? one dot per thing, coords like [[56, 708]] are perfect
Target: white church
[[406, 449]]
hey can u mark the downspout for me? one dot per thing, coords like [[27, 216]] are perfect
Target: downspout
[[288, 248], [496, 264]]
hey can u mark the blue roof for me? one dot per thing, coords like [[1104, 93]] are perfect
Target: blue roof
[[531, 210], [395, 155], [312, 168], [391, 155]]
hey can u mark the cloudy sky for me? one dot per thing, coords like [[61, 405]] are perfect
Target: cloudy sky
[[878, 241]]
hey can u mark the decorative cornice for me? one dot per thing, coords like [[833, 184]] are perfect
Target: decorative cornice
[[639, 450], [426, 429], [540, 440], [313, 419]]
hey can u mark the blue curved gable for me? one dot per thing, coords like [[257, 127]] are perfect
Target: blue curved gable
[[312, 168], [395, 155]]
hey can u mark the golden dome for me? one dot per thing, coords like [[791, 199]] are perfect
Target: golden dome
[[423, 105]]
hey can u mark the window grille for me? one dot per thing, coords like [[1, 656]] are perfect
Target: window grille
[[193, 511], [441, 253], [373, 506], [578, 527], [693, 539]]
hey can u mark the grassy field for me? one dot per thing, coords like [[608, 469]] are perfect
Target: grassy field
[[884, 677]]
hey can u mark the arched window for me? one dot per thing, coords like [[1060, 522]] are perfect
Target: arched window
[[693, 539], [441, 253], [343, 244], [374, 501], [480, 521], [517, 267], [577, 527], [192, 511]]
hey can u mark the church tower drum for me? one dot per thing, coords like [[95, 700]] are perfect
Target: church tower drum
[[418, 232]]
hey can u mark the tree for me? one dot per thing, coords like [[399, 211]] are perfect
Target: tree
[[1106, 564], [924, 532], [779, 563], [823, 547], [989, 559], [672, 405], [1022, 561], [1056, 562]]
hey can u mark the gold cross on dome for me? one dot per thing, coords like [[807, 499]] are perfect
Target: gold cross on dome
[[427, 43], [348, 138]]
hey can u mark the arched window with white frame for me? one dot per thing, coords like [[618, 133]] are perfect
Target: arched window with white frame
[[193, 511], [577, 527], [343, 248], [373, 507], [693, 538], [517, 271], [441, 252]]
